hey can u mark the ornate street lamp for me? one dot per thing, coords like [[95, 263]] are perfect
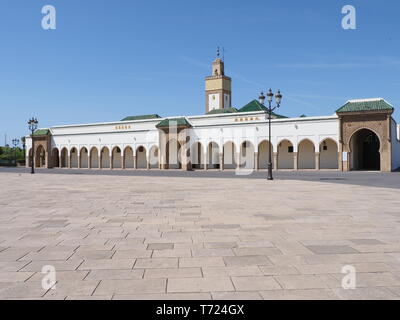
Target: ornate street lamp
[[15, 143], [33, 125], [270, 109]]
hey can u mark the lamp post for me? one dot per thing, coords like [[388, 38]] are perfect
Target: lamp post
[[15, 143], [33, 124], [270, 109]]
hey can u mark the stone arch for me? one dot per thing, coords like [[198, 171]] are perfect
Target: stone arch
[[247, 155], [64, 158], [55, 156], [263, 154], [197, 155], [285, 155], [365, 150], [213, 155], [328, 154], [229, 150], [141, 158], [116, 158], [129, 161], [84, 158], [306, 154], [153, 157], [105, 159], [94, 158], [74, 158], [40, 157]]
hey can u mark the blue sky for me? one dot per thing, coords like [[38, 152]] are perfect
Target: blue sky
[[110, 59]]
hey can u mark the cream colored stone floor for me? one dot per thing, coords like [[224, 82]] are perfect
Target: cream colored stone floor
[[111, 237]]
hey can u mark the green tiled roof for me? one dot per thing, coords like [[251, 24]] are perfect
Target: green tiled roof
[[255, 105], [143, 117], [365, 105], [41, 132], [225, 110], [178, 122]]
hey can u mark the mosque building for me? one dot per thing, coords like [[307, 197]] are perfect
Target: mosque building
[[360, 135]]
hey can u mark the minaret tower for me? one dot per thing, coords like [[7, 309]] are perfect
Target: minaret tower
[[218, 87]]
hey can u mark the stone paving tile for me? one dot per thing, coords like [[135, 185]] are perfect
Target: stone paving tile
[[109, 297], [173, 273], [217, 252], [129, 287], [165, 296], [255, 283], [105, 264], [93, 254], [201, 262], [15, 276], [64, 288], [62, 276], [247, 261], [307, 294], [236, 295], [256, 251], [366, 294], [173, 253], [220, 245], [200, 284], [302, 281], [69, 265], [231, 271], [278, 270], [156, 263], [332, 249], [160, 246], [20, 290], [116, 274], [12, 266], [152, 231], [132, 254]]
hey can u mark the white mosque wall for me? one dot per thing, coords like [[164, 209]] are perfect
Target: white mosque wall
[[395, 145]]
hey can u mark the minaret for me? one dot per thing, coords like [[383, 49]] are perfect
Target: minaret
[[218, 87]]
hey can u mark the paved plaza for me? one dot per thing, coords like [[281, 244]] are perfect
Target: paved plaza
[[171, 237]]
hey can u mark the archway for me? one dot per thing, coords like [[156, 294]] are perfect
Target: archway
[[263, 154], [105, 159], [141, 159], [328, 155], [229, 155], [173, 150], [94, 158], [55, 157], [40, 157], [285, 155], [116, 158], [128, 158], [247, 155], [213, 156], [74, 158], [153, 157], [306, 155], [64, 158], [365, 153], [197, 155], [84, 158]]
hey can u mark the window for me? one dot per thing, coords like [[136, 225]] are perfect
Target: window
[[290, 149], [325, 148]]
